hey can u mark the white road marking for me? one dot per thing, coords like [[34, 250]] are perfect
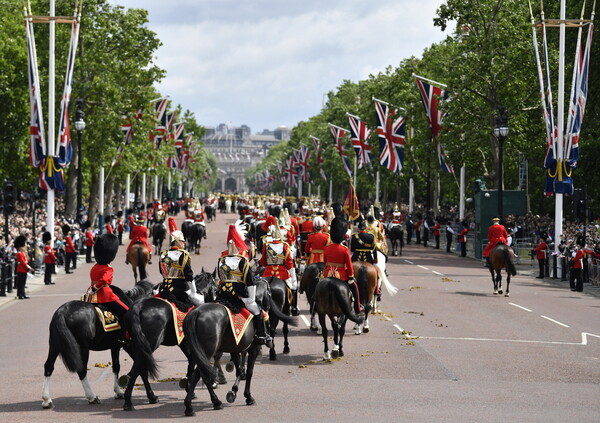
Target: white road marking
[[404, 332], [387, 318], [521, 307], [408, 261], [422, 267], [555, 321], [437, 273], [305, 320], [584, 336]]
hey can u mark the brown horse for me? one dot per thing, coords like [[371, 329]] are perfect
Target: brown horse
[[369, 302], [138, 256], [502, 257]]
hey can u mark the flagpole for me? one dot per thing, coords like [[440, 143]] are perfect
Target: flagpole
[[127, 191], [101, 202], [330, 189], [461, 206], [51, 87], [355, 168], [155, 187], [411, 195], [558, 207], [429, 80], [144, 191], [377, 186]]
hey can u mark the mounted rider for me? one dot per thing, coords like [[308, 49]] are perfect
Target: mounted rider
[[160, 215], [175, 267], [138, 234], [496, 235], [362, 245], [236, 283], [317, 241], [375, 228], [396, 217]]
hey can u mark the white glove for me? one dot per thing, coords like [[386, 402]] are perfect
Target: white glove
[[573, 254], [196, 299]]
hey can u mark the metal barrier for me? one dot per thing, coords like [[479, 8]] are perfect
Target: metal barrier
[[6, 277], [594, 271]]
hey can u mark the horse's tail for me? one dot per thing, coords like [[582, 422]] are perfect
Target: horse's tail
[[510, 264], [280, 314], [141, 263], [64, 341], [391, 289], [196, 349], [143, 350], [363, 286], [344, 304]]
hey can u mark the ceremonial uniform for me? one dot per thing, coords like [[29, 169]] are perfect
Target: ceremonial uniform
[[418, 224], [315, 246], [338, 263], [540, 255], [362, 246], [496, 234], [436, 235], [89, 243], [109, 228], [70, 254], [462, 238], [49, 258], [120, 229], [449, 236], [277, 260], [306, 228], [139, 233], [176, 269], [22, 266], [577, 258]]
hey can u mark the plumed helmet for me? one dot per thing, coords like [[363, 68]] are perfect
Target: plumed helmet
[[275, 233], [177, 236], [66, 229], [338, 229], [105, 248], [234, 236], [20, 241], [139, 220], [270, 221], [46, 236], [172, 224], [318, 222]]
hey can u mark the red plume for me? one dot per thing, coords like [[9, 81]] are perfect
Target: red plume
[[234, 236], [172, 225], [269, 222]]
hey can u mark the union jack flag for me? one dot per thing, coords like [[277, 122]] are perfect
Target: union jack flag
[[430, 94], [302, 162], [37, 141], [317, 145], [291, 172], [391, 131], [359, 133], [337, 134]]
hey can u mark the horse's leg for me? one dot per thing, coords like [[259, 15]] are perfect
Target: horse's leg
[[116, 368], [133, 375], [272, 329], [342, 329], [500, 282], [322, 322], [193, 378], [335, 353], [507, 284], [286, 344], [252, 354], [48, 370], [87, 388], [221, 380], [232, 394], [494, 281]]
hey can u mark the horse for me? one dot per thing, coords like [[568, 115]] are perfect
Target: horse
[[138, 256], [211, 212], [197, 232], [152, 325], [308, 283], [279, 311], [333, 299], [159, 233], [208, 333], [186, 227], [228, 206], [367, 295], [502, 257], [75, 329], [396, 235]]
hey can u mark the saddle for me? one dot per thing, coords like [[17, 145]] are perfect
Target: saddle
[[110, 322], [239, 322], [178, 317]]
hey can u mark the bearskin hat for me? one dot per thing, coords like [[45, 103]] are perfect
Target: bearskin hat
[[275, 211], [87, 224], [338, 229], [46, 236], [338, 210], [20, 241], [66, 229], [105, 248], [362, 225], [120, 213]]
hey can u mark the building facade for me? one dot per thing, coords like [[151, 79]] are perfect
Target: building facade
[[237, 150]]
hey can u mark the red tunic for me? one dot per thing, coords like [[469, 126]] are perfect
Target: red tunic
[[49, 256], [496, 234], [540, 250], [89, 239], [295, 225], [139, 233], [280, 271], [578, 260], [109, 229], [102, 277], [69, 246], [22, 261], [307, 226], [315, 246], [436, 229], [338, 263], [120, 225], [463, 235]]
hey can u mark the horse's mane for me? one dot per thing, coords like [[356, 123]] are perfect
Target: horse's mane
[[140, 290]]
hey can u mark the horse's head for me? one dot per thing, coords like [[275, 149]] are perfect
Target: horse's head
[[263, 293], [206, 285]]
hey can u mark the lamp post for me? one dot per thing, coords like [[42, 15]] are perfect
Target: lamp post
[[79, 126], [501, 132]]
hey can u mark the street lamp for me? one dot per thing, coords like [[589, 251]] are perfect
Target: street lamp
[[79, 126], [501, 132]]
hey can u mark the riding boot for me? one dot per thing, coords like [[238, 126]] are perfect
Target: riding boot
[[260, 328], [294, 302], [487, 263], [354, 289]]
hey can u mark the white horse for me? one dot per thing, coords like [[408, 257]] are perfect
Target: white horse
[[228, 206]]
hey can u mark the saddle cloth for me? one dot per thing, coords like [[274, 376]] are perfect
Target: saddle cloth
[[178, 317], [110, 323], [239, 322]]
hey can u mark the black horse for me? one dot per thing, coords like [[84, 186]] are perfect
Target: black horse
[[211, 212], [75, 329], [186, 228], [308, 283], [501, 257], [333, 299], [197, 232], [159, 233], [208, 333], [279, 311], [152, 325], [396, 235]]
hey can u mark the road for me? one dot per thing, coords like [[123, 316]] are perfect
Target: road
[[444, 349]]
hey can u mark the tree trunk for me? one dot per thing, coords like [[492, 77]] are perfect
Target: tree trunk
[[71, 188], [93, 203]]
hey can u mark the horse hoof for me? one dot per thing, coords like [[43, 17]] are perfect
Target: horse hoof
[[341, 353], [313, 328], [47, 405], [327, 356], [250, 401], [495, 292], [229, 367], [153, 399], [286, 350], [94, 401], [190, 413], [128, 407], [123, 381], [221, 381], [231, 397], [507, 294], [272, 355], [499, 292], [357, 331], [183, 382], [335, 354], [218, 405], [319, 331], [119, 396], [366, 330]]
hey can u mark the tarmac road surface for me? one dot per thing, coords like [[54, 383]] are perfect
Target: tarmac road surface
[[444, 349]]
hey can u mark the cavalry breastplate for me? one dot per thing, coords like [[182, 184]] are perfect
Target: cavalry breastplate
[[275, 254], [233, 269], [172, 264]]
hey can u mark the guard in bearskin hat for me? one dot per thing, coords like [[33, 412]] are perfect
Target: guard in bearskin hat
[[577, 257], [89, 241], [70, 253], [337, 259], [236, 283], [49, 258], [22, 266], [120, 226]]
